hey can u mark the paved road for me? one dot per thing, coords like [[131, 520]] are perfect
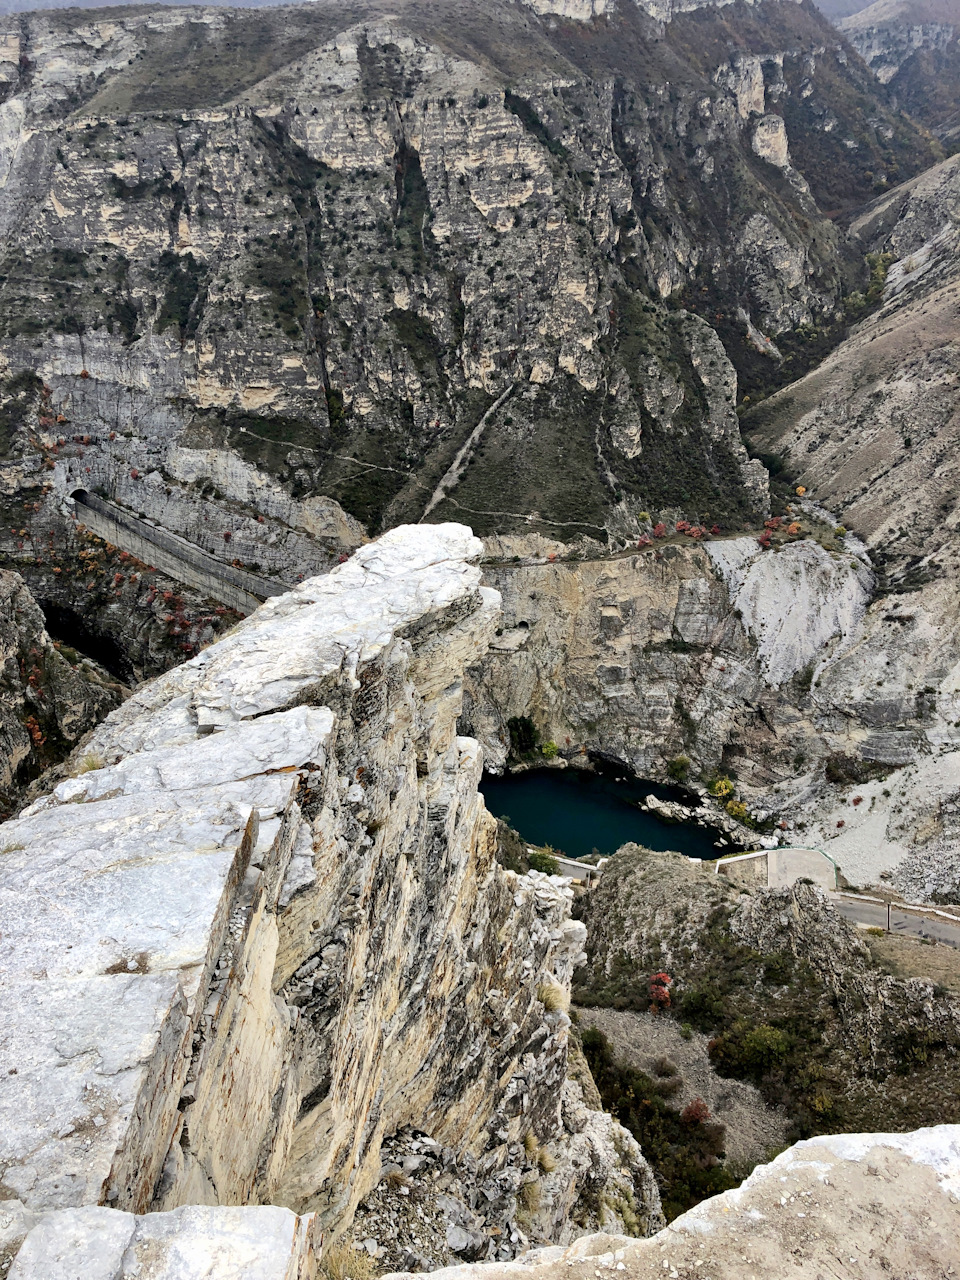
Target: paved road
[[908, 922]]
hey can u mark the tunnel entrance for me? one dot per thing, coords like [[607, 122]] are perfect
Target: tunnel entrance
[[67, 626]]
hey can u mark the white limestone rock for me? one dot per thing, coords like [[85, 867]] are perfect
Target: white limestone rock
[[195, 1243], [268, 931], [794, 602], [847, 1199]]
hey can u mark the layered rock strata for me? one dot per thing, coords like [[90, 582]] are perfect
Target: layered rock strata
[[292, 289], [265, 929]]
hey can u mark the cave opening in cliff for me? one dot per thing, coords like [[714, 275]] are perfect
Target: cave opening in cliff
[[69, 627]]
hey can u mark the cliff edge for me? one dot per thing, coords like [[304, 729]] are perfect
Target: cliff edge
[[262, 930]]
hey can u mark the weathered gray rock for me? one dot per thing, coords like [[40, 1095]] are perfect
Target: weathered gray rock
[[820, 1201], [267, 929]]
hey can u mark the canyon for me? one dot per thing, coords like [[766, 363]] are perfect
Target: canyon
[[660, 300], [309, 989], [529, 269]]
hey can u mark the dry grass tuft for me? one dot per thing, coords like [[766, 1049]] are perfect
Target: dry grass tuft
[[88, 763], [341, 1261], [553, 997]]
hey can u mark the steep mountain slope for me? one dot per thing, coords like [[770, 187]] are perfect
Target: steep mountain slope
[[300, 252], [789, 993], [873, 435], [914, 47]]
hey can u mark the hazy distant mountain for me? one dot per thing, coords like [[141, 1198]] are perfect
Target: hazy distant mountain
[[839, 8], [913, 46]]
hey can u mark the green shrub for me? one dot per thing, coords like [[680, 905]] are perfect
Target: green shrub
[[678, 767], [750, 1050], [721, 787], [542, 860], [549, 750]]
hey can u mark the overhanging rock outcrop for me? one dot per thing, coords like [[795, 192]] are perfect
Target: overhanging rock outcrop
[[263, 928]]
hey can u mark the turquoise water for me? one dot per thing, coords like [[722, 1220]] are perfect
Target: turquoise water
[[578, 813]]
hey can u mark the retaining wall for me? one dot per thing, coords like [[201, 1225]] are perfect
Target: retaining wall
[[174, 556]]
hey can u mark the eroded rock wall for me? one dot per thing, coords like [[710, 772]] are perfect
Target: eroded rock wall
[[272, 302], [50, 696], [265, 929]]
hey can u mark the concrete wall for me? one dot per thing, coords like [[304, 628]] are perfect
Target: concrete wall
[[174, 556], [780, 868], [784, 866], [577, 870], [747, 872]]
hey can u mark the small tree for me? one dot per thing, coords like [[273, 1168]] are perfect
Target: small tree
[[659, 987]]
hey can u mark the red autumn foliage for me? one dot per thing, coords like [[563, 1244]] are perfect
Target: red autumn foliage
[[659, 988], [659, 530], [695, 1112], [857, 800]]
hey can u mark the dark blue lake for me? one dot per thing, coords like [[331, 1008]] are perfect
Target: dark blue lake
[[579, 812]]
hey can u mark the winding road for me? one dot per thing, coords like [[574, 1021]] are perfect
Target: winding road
[[913, 921]]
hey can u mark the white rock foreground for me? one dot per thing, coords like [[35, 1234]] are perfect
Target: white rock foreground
[[265, 929], [863, 1205]]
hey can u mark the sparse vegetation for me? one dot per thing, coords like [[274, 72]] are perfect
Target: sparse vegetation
[[685, 1148], [678, 768], [342, 1261], [790, 1019], [90, 761], [543, 860], [553, 997]]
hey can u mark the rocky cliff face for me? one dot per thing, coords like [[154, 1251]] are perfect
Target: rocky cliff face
[[304, 254], [819, 676], [50, 695], [870, 435], [912, 46], [264, 931]]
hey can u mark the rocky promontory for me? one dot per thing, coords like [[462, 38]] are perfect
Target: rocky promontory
[[262, 929]]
